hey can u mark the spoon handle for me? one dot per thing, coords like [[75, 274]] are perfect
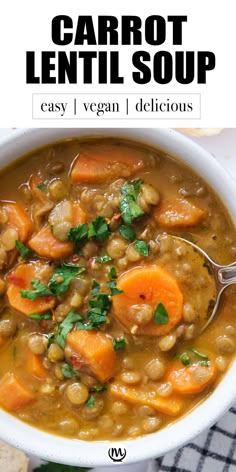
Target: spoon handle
[[227, 274]]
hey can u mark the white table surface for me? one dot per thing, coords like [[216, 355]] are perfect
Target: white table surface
[[223, 148]]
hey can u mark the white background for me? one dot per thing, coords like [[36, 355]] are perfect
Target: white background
[[26, 25]]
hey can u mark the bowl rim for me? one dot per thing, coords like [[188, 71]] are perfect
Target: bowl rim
[[76, 452]]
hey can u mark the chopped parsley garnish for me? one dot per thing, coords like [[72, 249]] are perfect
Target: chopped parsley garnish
[[43, 187], [103, 259], [90, 401], [40, 317], [187, 358], [60, 281], [98, 229], [112, 274], [129, 207], [161, 316], [119, 343], [99, 308], [78, 234], [142, 248], [95, 288], [205, 363], [199, 354], [51, 339], [68, 371], [114, 290], [184, 358], [98, 388], [23, 250], [127, 232], [40, 291], [66, 326]]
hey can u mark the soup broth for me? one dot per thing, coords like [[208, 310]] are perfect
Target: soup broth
[[101, 307]]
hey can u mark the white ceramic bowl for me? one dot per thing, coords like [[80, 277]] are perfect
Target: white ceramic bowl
[[93, 454]]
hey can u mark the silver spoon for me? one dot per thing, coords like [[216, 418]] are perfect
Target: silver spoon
[[224, 276]]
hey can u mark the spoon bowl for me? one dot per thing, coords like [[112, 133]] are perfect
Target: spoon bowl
[[223, 275]]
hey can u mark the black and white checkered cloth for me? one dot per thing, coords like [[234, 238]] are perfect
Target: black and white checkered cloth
[[211, 451]]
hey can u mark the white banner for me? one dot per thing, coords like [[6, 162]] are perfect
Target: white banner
[[155, 47]]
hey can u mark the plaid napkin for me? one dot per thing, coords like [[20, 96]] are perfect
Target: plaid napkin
[[212, 451]]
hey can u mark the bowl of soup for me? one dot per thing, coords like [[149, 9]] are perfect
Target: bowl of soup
[[102, 357]]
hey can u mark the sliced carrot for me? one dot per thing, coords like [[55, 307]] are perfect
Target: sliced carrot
[[46, 245], [96, 350], [101, 163], [144, 396], [19, 219], [148, 285], [13, 393], [20, 279], [178, 212], [191, 379], [35, 366]]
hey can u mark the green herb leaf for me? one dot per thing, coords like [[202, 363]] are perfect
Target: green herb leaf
[[161, 316], [79, 233], [98, 229], [95, 288], [60, 281], [103, 259], [66, 326], [23, 250], [127, 232], [54, 467], [84, 326], [40, 317], [51, 339], [205, 363], [129, 207], [68, 371], [98, 388], [142, 248], [199, 354], [114, 290], [40, 291], [119, 343], [90, 401], [112, 274], [184, 358], [99, 309], [43, 187]]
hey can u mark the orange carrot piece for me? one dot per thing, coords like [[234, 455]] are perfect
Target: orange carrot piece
[[96, 350], [144, 396], [191, 379], [178, 213], [19, 219], [13, 394], [148, 285], [35, 366], [20, 279], [46, 245], [107, 161]]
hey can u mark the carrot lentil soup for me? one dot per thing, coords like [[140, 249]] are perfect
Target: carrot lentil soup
[[101, 307]]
